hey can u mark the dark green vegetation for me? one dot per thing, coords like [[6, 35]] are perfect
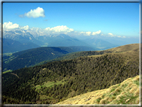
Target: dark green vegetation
[[58, 80], [36, 56], [74, 55]]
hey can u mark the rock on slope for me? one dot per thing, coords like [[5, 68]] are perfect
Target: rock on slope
[[126, 92]]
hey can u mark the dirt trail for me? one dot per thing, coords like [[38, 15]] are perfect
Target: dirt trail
[[15, 75]]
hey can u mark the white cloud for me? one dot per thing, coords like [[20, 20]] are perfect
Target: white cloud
[[88, 33], [121, 36], [25, 27], [95, 33], [62, 28], [38, 12], [10, 25], [85, 33], [110, 34], [82, 33]]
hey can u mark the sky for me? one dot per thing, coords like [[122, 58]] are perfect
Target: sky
[[114, 19]]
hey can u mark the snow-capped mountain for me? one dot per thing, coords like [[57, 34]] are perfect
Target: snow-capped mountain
[[63, 40]]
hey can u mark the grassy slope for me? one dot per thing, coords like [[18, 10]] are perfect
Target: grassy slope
[[126, 92], [125, 48]]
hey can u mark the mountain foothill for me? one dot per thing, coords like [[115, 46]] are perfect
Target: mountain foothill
[[50, 75]]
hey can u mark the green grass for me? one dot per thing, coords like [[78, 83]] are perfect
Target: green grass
[[6, 71], [49, 84], [9, 59], [124, 86], [137, 83], [7, 54], [98, 100], [44, 97], [128, 96]]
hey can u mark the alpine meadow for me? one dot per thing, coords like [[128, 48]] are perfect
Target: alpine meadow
[[71, 53]]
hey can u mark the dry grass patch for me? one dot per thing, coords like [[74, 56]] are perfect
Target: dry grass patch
[[125, 48]]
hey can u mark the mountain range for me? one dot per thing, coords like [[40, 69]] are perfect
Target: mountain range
[[18, 40], [10, 46]]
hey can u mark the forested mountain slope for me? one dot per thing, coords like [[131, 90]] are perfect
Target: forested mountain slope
[[125, 48], [33, 56], [56, 81], [36, 56]]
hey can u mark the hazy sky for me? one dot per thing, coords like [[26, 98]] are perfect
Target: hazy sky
[[120, 19]]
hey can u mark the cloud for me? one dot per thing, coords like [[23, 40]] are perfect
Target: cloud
[[110, 34], [95, 33], [38, 12], [119, 36], [59, 29], [25, 27], [85, 33], [10, 25], [88, 33]]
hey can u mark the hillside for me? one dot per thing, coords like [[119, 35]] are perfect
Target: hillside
[[47, 54], [33, 56], [36, 56], [56, 81], [129, 47], [126, 92], [132, 47]]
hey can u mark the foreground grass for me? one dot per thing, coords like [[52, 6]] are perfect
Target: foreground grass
[[126, 92]]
